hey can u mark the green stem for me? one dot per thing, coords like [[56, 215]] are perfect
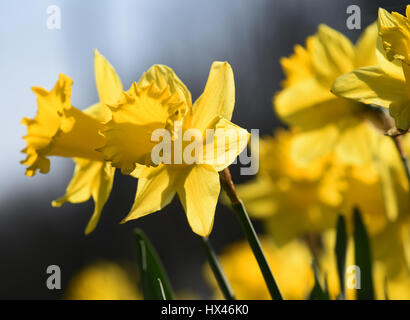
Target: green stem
[[248, 229], [217, 270]]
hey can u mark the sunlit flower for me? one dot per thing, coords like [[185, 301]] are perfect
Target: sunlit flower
[[291, 198], [161, 101], [59, 129], [387, 268], [386, 84], [324, 123], [302, 201], [102, 281], [291, 265]]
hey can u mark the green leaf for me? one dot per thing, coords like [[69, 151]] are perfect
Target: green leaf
[[340, 251], [318, 293], [155, 283], [363, 258]]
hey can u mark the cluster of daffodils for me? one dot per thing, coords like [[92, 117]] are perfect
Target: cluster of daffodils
[[340, 102], [347, 108], [124, 129]]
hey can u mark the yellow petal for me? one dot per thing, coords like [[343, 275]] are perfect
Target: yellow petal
[[218, 98], [90, 179], [164, 77], [108, 83], [228, 141], [357, 142], [98, 111], [392, 176], [310, 145], [155, 190], [198, 194], [395, 33], [400, 111], [298, 66], [257, 196], [333, 54], [366, 47], [370, 85], [391, 68], [294, 104]]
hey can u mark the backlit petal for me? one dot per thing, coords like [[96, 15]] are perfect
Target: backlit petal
[[90, 179], [198, 194], [108, 83], [366, 47], [333, 54], [155, 190], [227, 142], [370, 85], [218, 98], [395, 33]]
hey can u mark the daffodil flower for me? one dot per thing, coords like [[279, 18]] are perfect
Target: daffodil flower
[[293, 199], [160, 101], [291, 263], [59, 129], [324, 123], [387, 83]]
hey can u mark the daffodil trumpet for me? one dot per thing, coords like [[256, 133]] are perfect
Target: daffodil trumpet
[[250, 233]]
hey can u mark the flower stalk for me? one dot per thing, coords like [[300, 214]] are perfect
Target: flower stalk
[[217, 269], [251, 236], [399, 147]]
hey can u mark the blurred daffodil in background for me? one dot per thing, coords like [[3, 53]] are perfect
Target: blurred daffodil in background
[[334, 158], [387, 83], [291, 263], [102, 280], [293, 199], [324, 123]]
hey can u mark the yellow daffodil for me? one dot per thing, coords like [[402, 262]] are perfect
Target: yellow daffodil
[[386, 84], [102, 281], [297, 201], [59, 129], [380, 189], [396, 279], [324, 123], [291, 265], [293, 199], [160, 102]]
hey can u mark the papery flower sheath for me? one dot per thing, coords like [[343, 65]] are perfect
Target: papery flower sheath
[[387, 84], [59, 129], [161, 101]]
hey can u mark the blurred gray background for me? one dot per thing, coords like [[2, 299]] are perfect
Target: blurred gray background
[[183, 34]]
